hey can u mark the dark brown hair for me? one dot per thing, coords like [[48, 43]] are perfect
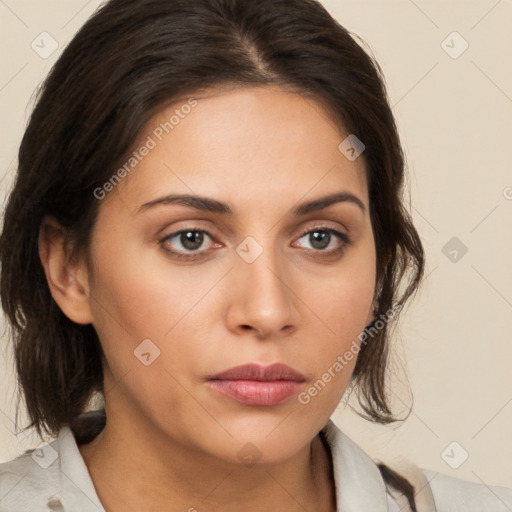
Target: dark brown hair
[[128, 61]]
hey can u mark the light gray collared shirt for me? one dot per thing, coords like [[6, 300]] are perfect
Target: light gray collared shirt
[[54, 477]]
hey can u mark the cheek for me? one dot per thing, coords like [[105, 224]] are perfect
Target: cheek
[[346, 299], [140, 293], [347, 307], [140, 296], [146, 328], [343, 303], [333, 356]]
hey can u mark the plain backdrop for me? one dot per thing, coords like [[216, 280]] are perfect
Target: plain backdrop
[[448, 68]]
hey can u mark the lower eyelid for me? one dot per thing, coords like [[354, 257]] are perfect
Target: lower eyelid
[[343, 237]]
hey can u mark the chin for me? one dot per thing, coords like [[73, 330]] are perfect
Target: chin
[[260, 441]]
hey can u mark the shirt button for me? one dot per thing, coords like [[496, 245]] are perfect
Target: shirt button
[[55, 504]]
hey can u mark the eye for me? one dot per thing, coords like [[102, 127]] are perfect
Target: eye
[[186, 241], [190, 243], [326, 240]]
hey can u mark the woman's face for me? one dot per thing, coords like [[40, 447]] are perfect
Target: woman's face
[[259, 275]]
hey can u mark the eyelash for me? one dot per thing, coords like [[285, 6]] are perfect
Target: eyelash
[[195, 255]]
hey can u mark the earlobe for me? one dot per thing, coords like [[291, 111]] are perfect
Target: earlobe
[[66, 277]]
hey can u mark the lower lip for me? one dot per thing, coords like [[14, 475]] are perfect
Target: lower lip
[[251, 392]]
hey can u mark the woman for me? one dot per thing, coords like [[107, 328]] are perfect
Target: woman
[[207, 232]]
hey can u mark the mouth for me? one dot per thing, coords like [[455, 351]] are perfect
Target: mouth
[[252, 384]]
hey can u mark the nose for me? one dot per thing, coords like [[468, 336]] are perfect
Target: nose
[[264, 299]]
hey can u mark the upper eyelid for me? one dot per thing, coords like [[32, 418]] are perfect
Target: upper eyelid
[[205, 230], [337, 232], [319, 228]]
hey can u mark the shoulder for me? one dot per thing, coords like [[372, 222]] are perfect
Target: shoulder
[[360, 479], [455, 494], [30, 479], [52, 476]]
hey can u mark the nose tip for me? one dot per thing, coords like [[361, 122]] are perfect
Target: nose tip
[[264, 304]]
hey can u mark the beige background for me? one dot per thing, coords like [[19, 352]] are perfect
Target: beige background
[[455, 117]]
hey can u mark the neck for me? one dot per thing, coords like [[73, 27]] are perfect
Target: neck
[[133, 471]]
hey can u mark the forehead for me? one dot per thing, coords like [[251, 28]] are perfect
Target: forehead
[[255, 144]]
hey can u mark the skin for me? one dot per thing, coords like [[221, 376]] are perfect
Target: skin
[[171, 442]]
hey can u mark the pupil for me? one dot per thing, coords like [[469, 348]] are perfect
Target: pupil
[[323, 237], [192, 239]]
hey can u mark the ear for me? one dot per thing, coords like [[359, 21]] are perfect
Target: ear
[[66, 276]]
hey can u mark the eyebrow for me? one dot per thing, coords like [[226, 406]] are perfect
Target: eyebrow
[[213, 206]]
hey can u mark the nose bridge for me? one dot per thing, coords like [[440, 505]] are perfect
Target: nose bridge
[[265, 301]]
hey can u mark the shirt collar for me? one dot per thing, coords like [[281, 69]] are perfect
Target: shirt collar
[[358, 482], [77, 488]]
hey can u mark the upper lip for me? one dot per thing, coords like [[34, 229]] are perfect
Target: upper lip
[[257, 372]]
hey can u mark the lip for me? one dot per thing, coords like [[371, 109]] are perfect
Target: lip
[[253, 384]]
